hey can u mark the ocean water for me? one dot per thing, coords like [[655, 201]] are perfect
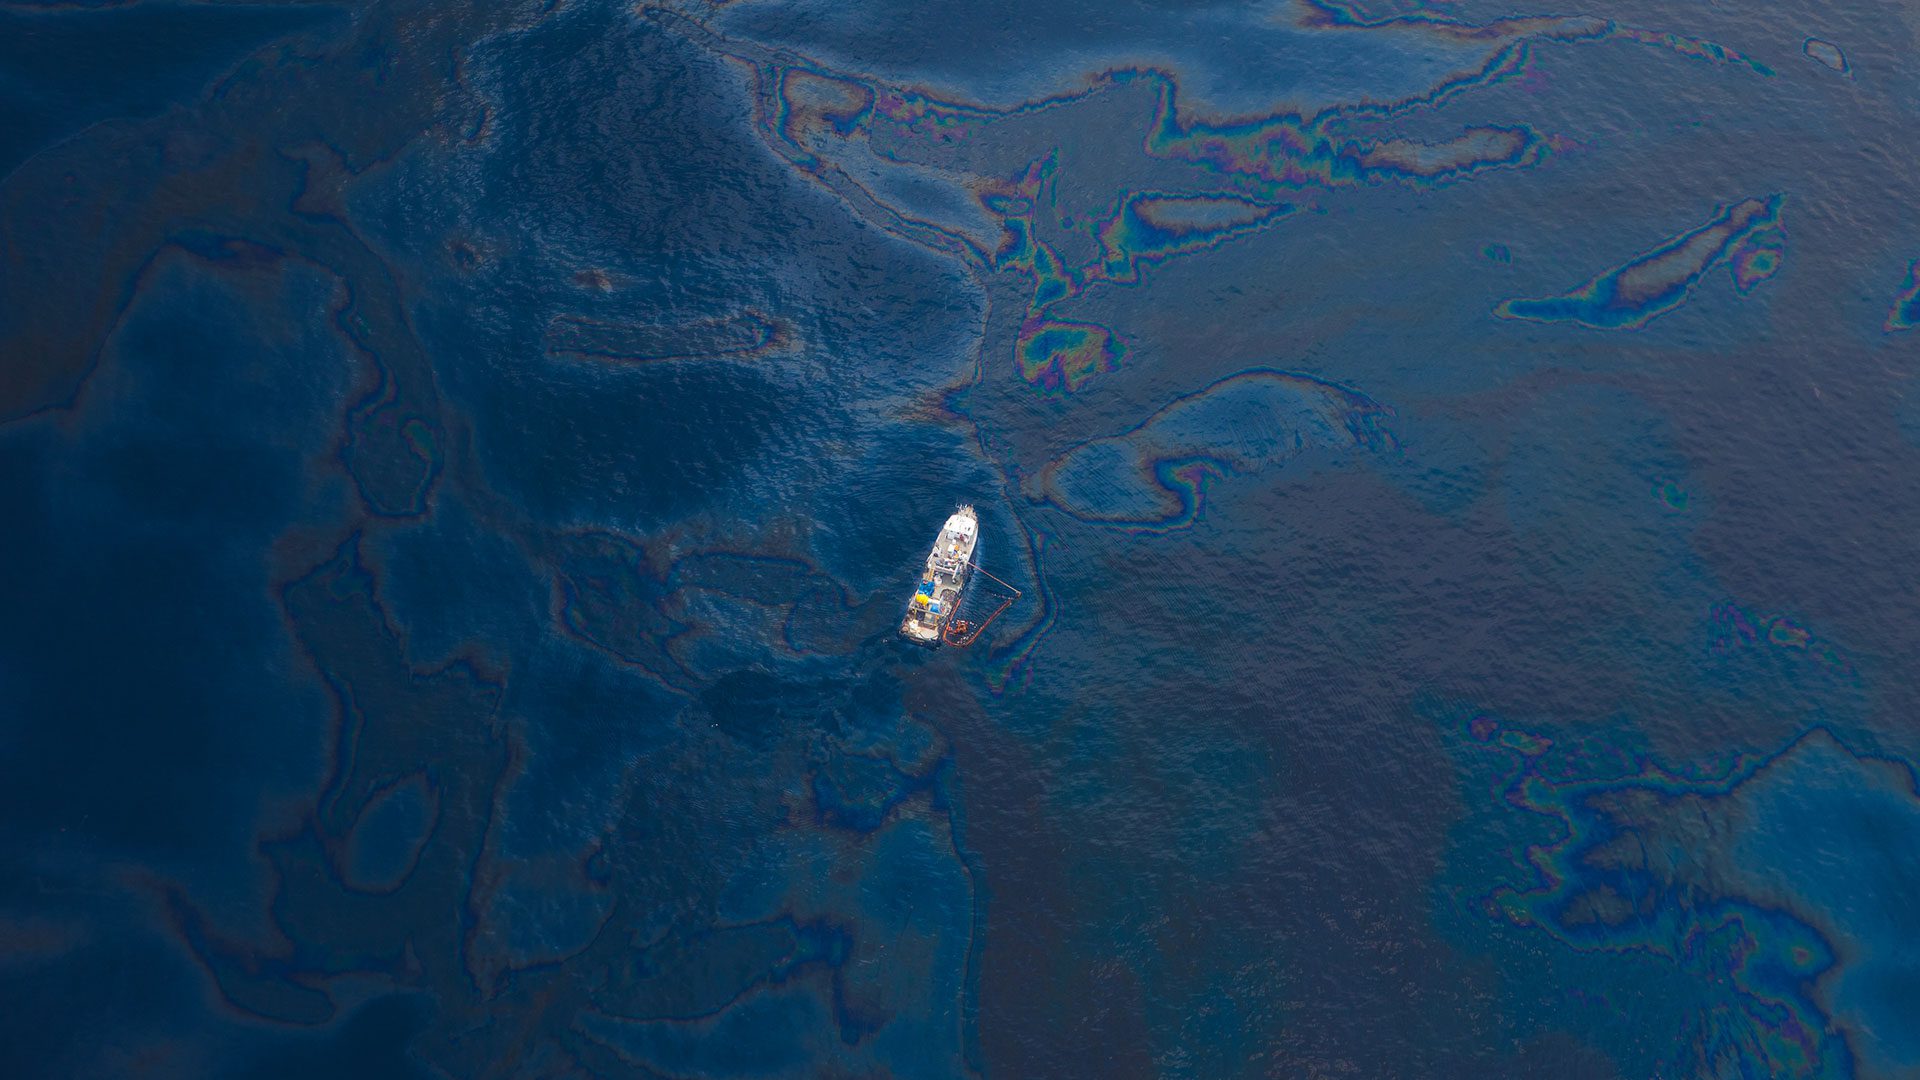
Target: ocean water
[[464, 465]]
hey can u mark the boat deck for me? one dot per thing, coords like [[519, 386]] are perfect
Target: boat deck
[[945, 579]]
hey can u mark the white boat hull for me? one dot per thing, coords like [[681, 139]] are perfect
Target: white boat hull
[[944, 580]]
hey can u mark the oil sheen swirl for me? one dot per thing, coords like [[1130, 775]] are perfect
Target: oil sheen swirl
[[1758, 896]]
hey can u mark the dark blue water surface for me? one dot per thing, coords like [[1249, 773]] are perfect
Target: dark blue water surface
[[464, 465]]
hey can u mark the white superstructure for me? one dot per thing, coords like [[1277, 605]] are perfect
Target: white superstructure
[[935, 601]]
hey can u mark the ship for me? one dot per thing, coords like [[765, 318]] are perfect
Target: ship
[[938, 596]]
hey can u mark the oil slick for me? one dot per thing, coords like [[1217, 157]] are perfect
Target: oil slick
[[1746, 235], [1759, 900], [1154, 477]]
